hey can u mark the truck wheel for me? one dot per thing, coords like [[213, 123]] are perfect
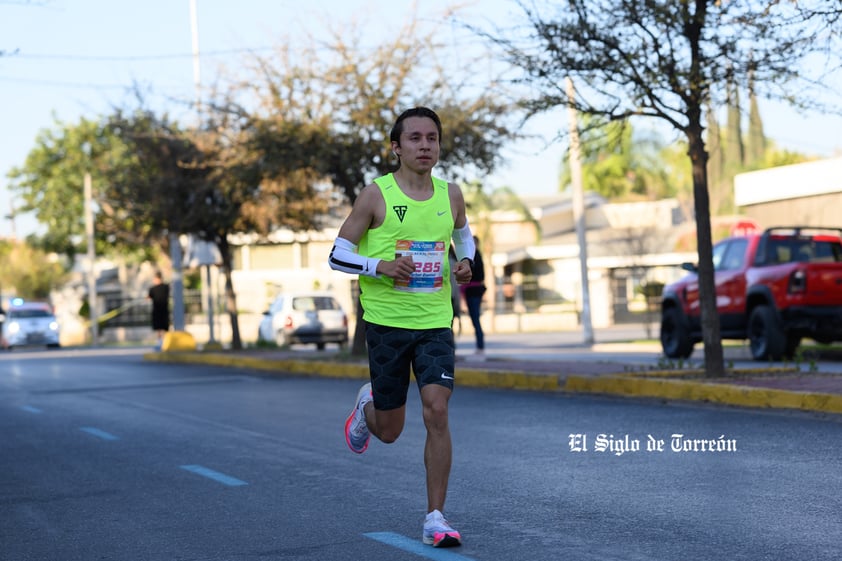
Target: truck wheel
[[792, 343], [675, 337], [766, 338]]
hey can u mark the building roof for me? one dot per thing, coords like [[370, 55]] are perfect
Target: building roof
[[788, 182]]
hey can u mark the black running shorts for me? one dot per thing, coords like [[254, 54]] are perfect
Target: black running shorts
[[392, 351]]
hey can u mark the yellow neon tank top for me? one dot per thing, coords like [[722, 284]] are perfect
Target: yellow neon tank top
[[419, 228]]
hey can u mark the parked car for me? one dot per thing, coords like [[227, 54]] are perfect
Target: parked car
[[773, 288], [304, 317], [29, 324]]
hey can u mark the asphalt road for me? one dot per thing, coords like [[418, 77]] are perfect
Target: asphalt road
[[104, 456]]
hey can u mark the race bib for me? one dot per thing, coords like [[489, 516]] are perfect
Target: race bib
[[429, 265]]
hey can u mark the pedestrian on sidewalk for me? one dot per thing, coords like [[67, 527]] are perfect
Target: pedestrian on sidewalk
[[474, 292], [159, 294], [396, 239]]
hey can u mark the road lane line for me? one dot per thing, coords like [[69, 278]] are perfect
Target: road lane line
[[31, 409], [99, 433], [416, 547], [215, 475]]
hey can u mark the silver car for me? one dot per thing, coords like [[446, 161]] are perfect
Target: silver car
[[29, 324], [304, 317]]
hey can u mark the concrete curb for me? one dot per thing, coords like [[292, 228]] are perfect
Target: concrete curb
[[672, 385], [473, 377], [298, 367], [713, 392]]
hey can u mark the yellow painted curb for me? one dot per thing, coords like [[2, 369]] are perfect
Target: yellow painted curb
[[713, 392], [178, 341], [659, 386], [465, 376], [699, 373], [506, 379], [301, 367]]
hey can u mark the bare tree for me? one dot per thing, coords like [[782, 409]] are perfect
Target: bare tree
[[669, 61]]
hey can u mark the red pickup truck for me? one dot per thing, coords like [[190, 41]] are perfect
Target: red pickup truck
[[773, 288]]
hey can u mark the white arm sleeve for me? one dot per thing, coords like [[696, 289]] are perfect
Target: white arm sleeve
[[463, 243], [344, 257]]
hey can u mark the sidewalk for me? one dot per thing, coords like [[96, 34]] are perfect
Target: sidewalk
[[539, 368]]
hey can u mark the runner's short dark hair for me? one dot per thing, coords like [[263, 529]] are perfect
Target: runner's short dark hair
[[397, 129]]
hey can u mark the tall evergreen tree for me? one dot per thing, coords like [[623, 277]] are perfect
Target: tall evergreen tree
[[716, 161], [756, 140], [734, 151]]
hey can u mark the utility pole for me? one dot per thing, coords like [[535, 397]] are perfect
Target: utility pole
[[177, 283], [194, 29], [579, 213], [176, 253], [11, 218], [89, 232]]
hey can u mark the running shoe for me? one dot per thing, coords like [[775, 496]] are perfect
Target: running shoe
[[438, 533], [356, 431]]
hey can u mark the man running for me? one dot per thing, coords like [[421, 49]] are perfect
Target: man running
[[397, 238]]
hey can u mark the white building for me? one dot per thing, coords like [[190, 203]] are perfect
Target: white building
[[808, 194]]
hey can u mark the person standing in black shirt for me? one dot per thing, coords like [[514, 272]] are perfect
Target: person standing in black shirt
[[159, 294], [474, 292]]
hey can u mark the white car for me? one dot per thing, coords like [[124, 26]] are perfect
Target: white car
[[304, 317], [29, 324]]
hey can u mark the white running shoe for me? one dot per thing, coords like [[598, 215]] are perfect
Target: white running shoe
[[357, 434], [438, 533]]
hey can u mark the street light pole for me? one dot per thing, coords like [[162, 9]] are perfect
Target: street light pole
[[194, 31], [89, 233], [579, 214], [176, 253], [211, 339], [177, 283], [11, 218]]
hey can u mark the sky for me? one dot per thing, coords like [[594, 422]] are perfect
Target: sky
[[68, 59]]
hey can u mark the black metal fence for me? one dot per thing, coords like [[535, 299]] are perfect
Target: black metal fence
[[532, 296], [119, 311]]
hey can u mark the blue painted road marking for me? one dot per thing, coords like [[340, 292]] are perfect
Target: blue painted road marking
[[31, 409], [215, 475], [416, 547], [99, 433]]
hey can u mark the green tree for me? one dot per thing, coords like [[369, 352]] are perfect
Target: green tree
[[677, 174], [619, 163], [50, 182], [662, 60], [31, 272], [777, 157], [606, 153], [154, 179], [650, 171], [260, 177], [756, 140], [5, 249], [236, 173], [722, 194], [717, 182]]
